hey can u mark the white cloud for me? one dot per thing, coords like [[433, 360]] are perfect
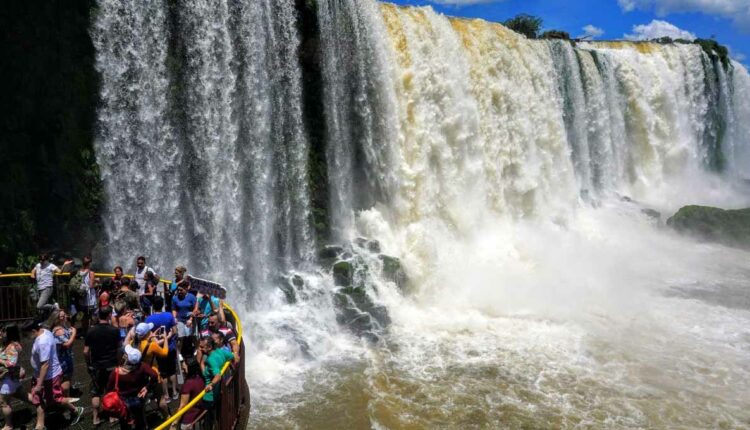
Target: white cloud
[[591, 31], [739, 56], [736, 10], [656, 29]]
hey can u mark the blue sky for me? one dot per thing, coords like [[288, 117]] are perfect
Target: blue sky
[[726, 20]]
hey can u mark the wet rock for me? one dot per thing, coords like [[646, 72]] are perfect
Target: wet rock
[[355, 310], [343, 273], [330, 251], [289, 292], [729, 227], [393, 270], [360, 241], [297, 281], [652, 213], [373, 246]]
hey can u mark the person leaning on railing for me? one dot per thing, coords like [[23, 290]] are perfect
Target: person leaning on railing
[[215, 359]]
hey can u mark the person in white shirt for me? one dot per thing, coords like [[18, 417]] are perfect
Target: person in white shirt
[[44, 274], [140, 274], [46, 385]]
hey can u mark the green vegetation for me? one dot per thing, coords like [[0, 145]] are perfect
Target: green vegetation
[[555, 34], [51, 192], [730, 227], [714, 50], [525, 24]]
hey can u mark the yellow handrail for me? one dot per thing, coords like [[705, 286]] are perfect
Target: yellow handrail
[[198, 398], [176, 416]]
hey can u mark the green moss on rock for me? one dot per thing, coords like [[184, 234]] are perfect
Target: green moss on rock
[[730, 227]]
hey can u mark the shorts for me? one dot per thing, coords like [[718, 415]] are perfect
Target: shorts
[[99, 380], [52, 392], [66, 363], [183, 330], [168, 364], [9, 386]]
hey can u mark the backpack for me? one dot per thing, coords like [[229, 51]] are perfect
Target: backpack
[[74, 285], [112, 403]]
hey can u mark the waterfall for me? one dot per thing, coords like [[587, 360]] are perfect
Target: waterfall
[[136, 145], [508, 175], [203, 104], [359, 109]]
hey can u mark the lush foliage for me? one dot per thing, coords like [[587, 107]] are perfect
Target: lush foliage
[[525, 24], [555, 34], [715, 50], [51, 192]]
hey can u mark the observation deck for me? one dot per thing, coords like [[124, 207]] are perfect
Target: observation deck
[[16, 307]]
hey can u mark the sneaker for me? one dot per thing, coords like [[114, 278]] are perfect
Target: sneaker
[[73, 399], [79, 414], [175, 395]]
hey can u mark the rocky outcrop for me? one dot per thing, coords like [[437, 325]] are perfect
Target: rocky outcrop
[[354, 268], [730, 227]]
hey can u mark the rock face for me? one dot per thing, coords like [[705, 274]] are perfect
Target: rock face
[[730, 227], [354, 268]]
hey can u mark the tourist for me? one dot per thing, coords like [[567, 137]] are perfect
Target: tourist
[[149, 292], [65, 335], [215, 324], [183, 304], [125, 321], [205, 306], [119, 276], [46, 391], [140, 274], [153, 346], [125, 297], [180, 278], [193, 386], [89, 299], [132, 379], [100, 350], [105, 292], [12, 373], [168, 365], [214, 362], [43, 273]]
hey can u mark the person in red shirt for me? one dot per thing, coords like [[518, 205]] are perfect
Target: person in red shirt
[[132, 383], [193, 386]]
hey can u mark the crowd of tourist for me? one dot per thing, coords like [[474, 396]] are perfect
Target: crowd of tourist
[[145, 341]]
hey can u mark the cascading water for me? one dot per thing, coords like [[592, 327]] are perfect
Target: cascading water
[[495, 167], [217, 181]]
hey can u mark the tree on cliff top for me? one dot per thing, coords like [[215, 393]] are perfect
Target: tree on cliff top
[[525, 24]]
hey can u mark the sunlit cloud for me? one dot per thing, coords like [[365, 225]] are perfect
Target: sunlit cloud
[[656, 29]]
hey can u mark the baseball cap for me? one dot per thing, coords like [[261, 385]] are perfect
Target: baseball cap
[[134, 356], [143, 328]]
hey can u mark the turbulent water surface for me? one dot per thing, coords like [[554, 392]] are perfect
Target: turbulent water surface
[[510, 176]]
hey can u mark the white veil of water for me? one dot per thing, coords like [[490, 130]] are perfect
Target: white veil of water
[[508, 175], [202, 144]]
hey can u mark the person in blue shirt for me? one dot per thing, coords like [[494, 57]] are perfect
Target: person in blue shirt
[[183, 305], [206, 305], [167, 365]]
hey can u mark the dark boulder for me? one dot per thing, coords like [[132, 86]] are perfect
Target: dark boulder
[[393, 270], [730, 227], [343, 273]]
